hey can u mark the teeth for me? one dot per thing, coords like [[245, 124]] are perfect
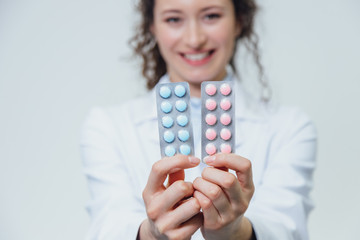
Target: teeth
[[196, 57]]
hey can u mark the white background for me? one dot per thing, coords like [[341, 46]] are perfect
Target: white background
[[60, 58]]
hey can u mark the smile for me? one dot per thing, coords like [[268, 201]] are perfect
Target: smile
[[197, 58]]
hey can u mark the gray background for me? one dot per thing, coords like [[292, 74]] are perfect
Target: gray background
[[60, 58]]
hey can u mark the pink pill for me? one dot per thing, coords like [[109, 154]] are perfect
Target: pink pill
[[210, 134], [225, 148], [210, 149], [225, 134], [210, 89], [225, 104], [210, 119], [225, 119], [210, 104], [225, 89]]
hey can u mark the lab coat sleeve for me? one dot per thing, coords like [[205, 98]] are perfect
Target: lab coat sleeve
[[115, 212], [281, 203]]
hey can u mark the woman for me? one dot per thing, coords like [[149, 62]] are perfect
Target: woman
[[195, 41]]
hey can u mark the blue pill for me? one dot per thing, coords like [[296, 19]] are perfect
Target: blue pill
[[167, 122], [181, 105], [169, 136], [166, 107], [170, 151], [185, 149], [165, 92], [180, 90], [183, 135], [182, 120]]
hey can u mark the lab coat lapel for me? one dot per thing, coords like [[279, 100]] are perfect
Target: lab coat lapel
[[147, 122], [246, 109]]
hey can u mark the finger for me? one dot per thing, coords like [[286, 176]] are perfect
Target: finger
[[188, 228], [211, 215], [223, 169], [214, 193], [175, 193], [240, 165], [179, 215], [166, 166], [227, 181], [176, 176]]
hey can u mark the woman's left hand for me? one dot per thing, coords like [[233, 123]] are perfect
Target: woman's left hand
[[224, 197]]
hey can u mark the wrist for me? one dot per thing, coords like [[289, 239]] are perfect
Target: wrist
[[240, 229], [145, 231], [246, 229]]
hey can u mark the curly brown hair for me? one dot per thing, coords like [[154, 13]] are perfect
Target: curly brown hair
[[154, 66]]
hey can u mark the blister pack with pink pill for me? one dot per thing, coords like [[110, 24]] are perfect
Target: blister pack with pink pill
[[217, 113], [175, 128]]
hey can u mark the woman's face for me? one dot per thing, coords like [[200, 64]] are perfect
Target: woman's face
[[196, 37]]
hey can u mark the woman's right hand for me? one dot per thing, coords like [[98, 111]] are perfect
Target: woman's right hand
[[172, 211]]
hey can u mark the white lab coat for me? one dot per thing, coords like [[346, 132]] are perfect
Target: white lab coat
[[119, 145]]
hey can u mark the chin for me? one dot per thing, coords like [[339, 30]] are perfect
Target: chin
[[201, 77], [197, 80]]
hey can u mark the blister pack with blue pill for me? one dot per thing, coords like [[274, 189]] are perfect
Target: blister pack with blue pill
[[174, 119]]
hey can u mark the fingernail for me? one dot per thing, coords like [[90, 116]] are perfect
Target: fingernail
[[194, 160], [209, 159]]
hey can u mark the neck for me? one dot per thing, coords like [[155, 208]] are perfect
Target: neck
[[195, 90]]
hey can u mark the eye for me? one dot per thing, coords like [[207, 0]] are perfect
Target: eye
[[212, 16], [173, 20]]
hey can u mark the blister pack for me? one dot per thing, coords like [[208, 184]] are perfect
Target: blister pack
[[174, 119], [217, 113]]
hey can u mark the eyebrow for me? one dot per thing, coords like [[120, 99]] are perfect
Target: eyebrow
[[211, 7], [170, 11], [166, 11]]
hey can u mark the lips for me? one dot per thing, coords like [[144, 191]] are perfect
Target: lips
[[197, 58]]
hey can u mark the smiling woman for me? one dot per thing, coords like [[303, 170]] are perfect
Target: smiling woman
[[194, 41], [213, 23]]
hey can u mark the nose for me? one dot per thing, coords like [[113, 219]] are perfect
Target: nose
[[195, 36]]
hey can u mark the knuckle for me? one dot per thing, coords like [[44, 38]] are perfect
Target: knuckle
[[222, 222], [160, 229], [152, 212], [146, 197], [206, 203], [229, 181], [195, 204], [214, 192], [227, 219], [156, 167], [247, 164], [183, 187], [164, 227], [144, 194]]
